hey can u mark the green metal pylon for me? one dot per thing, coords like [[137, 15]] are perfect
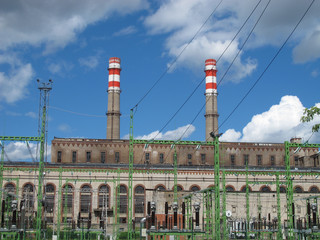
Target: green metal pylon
[[217, 187], [130, 202]]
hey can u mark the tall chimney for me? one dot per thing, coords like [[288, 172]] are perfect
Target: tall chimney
[[113, 113], [211, 98]]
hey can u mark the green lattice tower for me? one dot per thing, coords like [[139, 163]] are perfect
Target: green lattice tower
[[279, 232], [247, 202], [59, 203], [217, 188], [130, 203], [224, 205]]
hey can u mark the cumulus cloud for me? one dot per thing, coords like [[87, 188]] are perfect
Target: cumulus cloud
[[280, 123], [55, 25], [18, 151], [179, 133], [64, 127], [181, 19], [13, 84]]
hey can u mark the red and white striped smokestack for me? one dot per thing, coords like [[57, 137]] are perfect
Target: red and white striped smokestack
[[113, 113], [211, 76], [211, 98], [114, 73]]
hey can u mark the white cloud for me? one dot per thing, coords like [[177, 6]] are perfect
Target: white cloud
[[31, 114], [89, 62], [14, 84], [315, 73], [181, 19], [280, 123], [126, 31], [179, 133], [18, 151], [55, 25]]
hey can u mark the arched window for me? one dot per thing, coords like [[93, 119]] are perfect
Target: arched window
[[283, 189], [314, 189], [298, 189], [49, 193], [230, 189], [139, 199], [123, 199], [28, 196], [85, 199], [67, 199], [179, 188], [160, 188], [265, 189], [194, 189], [244, 189], [104, 198], [10, 188]]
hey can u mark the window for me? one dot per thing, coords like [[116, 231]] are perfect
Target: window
[[103, 157], [161, 159], [233, 160], [195, 188], [123, 199], [246, 159], [139, 199], [296, 161], [190, 159], [203, 158], [272, 160], [49, 198], [229, 189], [28, 196], [117, 157], [85, 199], [88, 156], [265, 189], [259, 160], [59, 155], [314, 189], [283, 189], [67, 199], [298, 189], [147, 157], [160, 188], [104, 192], [74, 156], [301, 161]]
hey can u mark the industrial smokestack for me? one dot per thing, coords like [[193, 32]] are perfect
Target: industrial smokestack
[[113, 113], [211, 98]]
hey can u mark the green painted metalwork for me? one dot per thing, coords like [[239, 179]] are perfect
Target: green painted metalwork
[[289, 193], [130, 180], [279, 233], [247, 201], [224, 206], [59, 203], [170, 142], [1, 173], [17, 139], [217, 188], [175, 174], [65, 210], [118, 205]]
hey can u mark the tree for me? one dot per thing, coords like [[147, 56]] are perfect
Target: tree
[[309, 114]]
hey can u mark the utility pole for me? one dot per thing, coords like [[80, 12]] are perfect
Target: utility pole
[[44, 101]]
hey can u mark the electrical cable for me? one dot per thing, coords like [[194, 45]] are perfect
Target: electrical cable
[[76, 113], [192, 93], [267, 67], [176, 59]]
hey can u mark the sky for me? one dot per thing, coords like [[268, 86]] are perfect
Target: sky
[[163, 42]]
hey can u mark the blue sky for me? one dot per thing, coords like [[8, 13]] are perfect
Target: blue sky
[[71, 41]]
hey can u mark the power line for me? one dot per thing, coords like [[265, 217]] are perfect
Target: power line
[[76, 113], [267, 67], [176, 59]]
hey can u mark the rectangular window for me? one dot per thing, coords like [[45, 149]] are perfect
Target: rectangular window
[[59, 155], [117, 157], [190, 159], [203, 158], [147, 157], [74, 156], [233, 160], [103, 157], [161, 158], [88, 156], [246, 159], [272, 160], [259, 160], [296, 161]]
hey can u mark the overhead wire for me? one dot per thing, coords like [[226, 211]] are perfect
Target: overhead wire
[[176, 59], [267, 67]]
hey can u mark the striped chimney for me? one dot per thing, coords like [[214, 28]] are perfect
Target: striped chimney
[[211, 76], [211, 98], [113, 113]]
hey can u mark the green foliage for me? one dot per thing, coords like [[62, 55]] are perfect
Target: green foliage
[[309, 114]]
